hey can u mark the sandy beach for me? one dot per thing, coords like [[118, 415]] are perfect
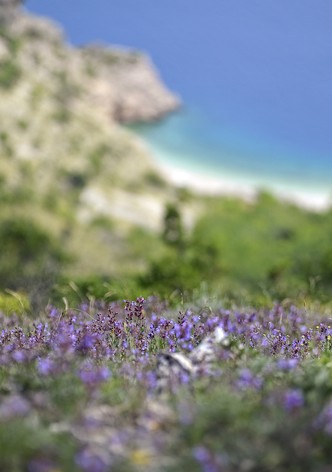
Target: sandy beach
[[207, 184]]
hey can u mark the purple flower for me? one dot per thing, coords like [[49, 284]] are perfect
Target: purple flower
[[14, 405], [93, 376], [248, 380], [19, 356], [265, 342], [324, 420], [208, 461], [201, 454], [287, 364], [53, 312], [45, 366], [151, 379], [89, 461], [86, 343], [293, 399]]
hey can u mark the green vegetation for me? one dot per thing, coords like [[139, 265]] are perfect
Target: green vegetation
[[155, 179], [14, 302], [9, 74], [249, 253], [13, 43], [30, 258]]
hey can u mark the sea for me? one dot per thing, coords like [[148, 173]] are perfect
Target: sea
[[255, 78]]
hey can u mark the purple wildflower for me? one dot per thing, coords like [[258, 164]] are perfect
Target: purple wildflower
[[293, 399], [19, 356], [248, 380], [45, 366], [86, 343], [208, 461], [324, 420], [287, 364], [90, 461], [13, 406], [93, 376]]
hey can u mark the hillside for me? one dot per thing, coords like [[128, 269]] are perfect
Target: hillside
[[66, 161], [59, 108]]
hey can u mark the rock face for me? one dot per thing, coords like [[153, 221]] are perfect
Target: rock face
[[122, 83], [64, 156], [129, 85], [66, 163], [10, 3], [9, 10], [60, 106]]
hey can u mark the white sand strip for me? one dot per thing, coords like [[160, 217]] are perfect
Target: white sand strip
[[207, 184]]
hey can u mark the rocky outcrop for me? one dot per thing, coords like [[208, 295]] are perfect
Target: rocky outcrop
[[9, 10], [66, 162], [129, 85], [121, 83], [61, 143], [10, 3], [50, 89]]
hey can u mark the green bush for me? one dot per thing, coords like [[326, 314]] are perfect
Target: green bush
[[270, 246], [257, 252], [10, 73], [14, 44], [30, 260], [155, 180], [181, 272]]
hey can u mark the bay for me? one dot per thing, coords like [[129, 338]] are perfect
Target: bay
[[255, 77]]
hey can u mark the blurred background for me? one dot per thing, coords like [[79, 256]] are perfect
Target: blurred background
[[254, 78], [179, 150]]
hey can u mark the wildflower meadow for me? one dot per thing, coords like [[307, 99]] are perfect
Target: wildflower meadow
[[82, 390]]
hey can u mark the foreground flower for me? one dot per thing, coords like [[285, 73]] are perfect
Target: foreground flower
[[293, 399], [14, 406], [90, 461], [93, 376]]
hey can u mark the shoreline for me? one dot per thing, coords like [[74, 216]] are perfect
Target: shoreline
[[204, 183]]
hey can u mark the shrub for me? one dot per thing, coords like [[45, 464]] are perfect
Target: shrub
[[29, 259], [10, 73], [155, 180]]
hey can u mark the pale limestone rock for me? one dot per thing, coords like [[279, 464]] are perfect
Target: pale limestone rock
[[173, 367], [128, 85]]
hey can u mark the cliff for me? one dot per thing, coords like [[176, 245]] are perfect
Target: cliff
[[123, 83], [9, 9], [60, 107], [66, 163], [127, 84]]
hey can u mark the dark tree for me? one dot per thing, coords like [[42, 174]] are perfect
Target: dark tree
[[173, 230]]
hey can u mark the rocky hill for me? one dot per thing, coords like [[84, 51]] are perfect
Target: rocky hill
[[52, 138], [58, 101], [126, 85], [66, 162]]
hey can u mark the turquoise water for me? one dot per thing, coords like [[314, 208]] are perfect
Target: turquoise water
[[192, 141], [255, 77]]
